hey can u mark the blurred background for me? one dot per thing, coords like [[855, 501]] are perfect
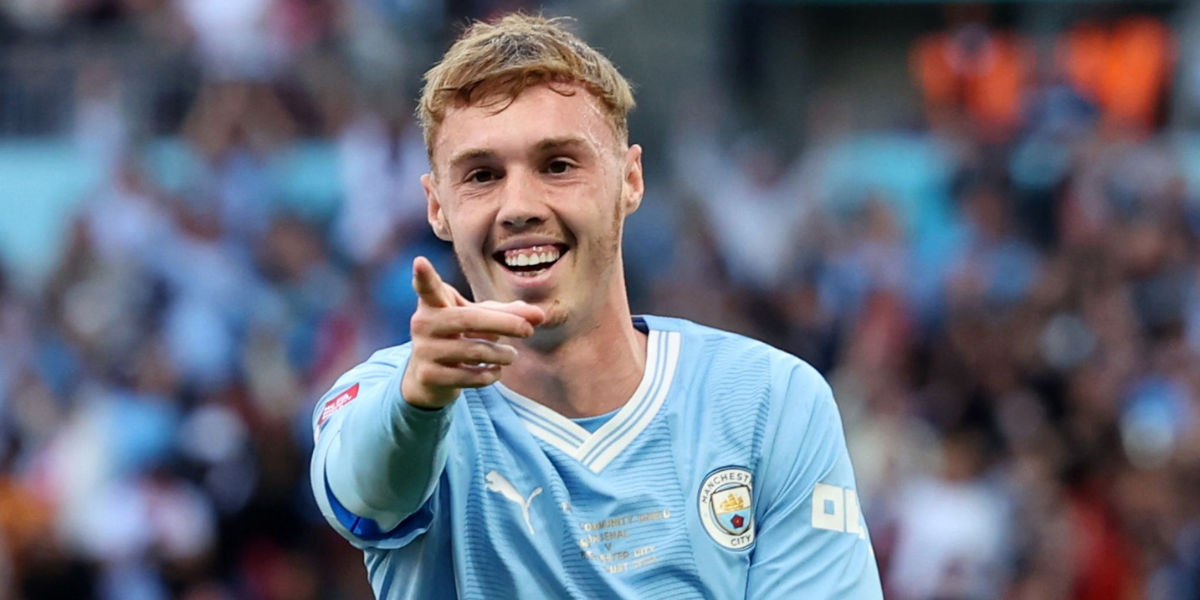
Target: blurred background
[[980, 222]]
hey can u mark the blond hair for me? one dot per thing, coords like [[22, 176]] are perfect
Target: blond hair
[[492, 63]]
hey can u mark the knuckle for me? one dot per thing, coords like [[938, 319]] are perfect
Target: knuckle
[[421, 348], [436, 378], [420, 321], [421, 373]]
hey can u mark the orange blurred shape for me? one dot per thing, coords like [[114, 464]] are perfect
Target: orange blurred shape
[[1124, 69], [25, 519], [985, 76]]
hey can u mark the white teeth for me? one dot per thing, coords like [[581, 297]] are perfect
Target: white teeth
[[528, 259]]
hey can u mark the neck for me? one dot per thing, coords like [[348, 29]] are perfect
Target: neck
[[593, 371]]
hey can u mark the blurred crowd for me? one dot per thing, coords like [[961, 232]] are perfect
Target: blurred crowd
[[1013, 337]]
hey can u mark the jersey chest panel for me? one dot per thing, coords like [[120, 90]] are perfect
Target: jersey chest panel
[[636, 529]]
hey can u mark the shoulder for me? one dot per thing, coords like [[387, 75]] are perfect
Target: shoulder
[[383, 362], [392, 356], [380, 367], [749, 401], [715, 354]]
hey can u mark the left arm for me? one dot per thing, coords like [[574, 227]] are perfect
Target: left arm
[[812, 541]]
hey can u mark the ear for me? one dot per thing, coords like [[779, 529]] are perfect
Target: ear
[[633, 185], [437, 218]]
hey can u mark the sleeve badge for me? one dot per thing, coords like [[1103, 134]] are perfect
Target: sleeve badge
[[727, 507]]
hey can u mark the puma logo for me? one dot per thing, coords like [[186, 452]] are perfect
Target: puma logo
[[497, 483]]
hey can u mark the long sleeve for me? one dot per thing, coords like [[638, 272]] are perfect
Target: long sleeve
[[377, 459], [812, 541]]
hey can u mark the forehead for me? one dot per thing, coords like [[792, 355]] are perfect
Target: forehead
[[537, 114]]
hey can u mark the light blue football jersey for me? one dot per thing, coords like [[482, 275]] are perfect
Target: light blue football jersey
[[724, 477]]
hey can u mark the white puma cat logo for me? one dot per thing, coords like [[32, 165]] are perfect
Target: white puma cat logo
[[497, 483]]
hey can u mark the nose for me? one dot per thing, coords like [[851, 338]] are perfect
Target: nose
[[522, 205]]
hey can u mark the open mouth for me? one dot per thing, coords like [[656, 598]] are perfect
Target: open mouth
[[531, 261]]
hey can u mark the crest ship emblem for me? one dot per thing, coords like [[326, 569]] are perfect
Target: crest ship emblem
[[731, 507]]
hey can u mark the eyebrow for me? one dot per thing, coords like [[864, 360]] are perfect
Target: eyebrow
[[558, 143], [469, 156]]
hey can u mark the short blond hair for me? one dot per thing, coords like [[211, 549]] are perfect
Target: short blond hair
[[492, 63]]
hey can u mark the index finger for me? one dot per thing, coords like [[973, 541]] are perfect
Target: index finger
[[428, 284]]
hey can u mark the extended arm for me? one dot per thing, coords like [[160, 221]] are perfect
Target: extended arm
[[381, 431]]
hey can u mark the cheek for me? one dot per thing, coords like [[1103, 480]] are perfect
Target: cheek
[[604, 224], [605, 207], [467, 227]]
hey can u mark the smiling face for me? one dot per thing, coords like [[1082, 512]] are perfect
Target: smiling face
[[534, 198]]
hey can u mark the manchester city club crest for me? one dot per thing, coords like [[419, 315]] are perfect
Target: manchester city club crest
[[727, 507]]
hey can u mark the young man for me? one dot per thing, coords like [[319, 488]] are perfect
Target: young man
[[539, 441]]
